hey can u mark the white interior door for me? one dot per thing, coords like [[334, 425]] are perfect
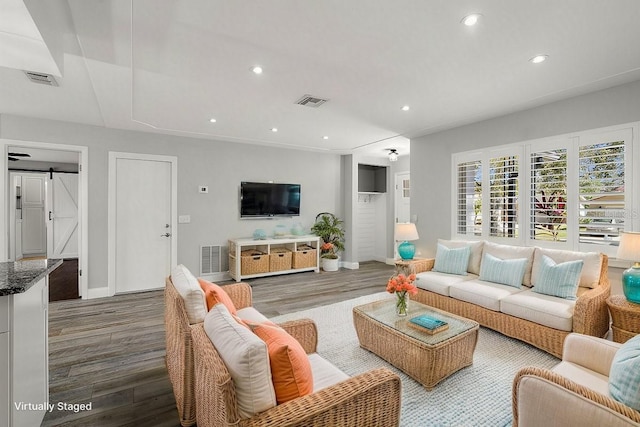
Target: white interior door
[[62, 227], [143, 221], [34, 238]]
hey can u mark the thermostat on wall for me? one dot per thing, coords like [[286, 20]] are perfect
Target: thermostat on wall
[[203, 189]]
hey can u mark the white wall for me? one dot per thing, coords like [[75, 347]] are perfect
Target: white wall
[[219, 165], [431, 154]]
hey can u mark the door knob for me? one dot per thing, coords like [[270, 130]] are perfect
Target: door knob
[[165, 235]]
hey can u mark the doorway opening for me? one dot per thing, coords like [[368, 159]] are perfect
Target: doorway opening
[[47, 211]]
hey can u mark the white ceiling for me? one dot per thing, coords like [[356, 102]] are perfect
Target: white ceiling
[[169, 66]]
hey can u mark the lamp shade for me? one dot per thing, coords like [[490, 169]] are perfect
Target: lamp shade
[[406, 231], [629, 248]]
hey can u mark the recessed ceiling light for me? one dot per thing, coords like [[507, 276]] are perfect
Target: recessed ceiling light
[[325, 137], [212, 120], [274, 129], [406, 108], [538, 59], [257, 69], [471, 20]]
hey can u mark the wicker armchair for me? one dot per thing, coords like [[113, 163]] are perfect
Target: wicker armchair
[[566, 395], [179, 357], [370, 399]]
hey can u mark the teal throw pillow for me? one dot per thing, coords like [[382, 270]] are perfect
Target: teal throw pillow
[[624, 376], [558, 280], [504, 271], [452, 260]]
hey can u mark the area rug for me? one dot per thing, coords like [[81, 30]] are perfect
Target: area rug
[[479, 395]]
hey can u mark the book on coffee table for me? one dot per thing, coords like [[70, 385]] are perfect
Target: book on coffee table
[[428, 324]]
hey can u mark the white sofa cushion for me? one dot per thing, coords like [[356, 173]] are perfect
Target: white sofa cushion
[[583, 376], [479, 292], [247, 359], [513, 252], [545, 310], [475, 257], [590, 274], [192, 294], [324, 373], [439, 282]]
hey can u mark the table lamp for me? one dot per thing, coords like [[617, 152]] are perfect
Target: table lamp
[[404, 233], [629, 249]]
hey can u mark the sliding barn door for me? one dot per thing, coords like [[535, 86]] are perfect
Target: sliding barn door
[[62, 229]]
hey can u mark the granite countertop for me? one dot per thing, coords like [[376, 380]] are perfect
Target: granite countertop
[[17, 277]]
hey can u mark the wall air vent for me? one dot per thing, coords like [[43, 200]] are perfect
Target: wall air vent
[[311, 101], [213, 259], [41, 78]]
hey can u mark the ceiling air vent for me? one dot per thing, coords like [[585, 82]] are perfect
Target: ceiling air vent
[[311, 101], [43, 79]]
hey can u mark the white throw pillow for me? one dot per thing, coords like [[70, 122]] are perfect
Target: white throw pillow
[[592, 263], [247, 359], [512, 252], [192, 294]]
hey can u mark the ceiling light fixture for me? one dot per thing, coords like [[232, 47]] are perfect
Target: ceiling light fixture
[[257, 69], [538, 59], [471, 19], [393, 155], [212, 120], [274, 129], [406, 108], [325, 137]]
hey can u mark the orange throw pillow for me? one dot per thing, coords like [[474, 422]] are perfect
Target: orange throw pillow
[[290, 367], [215, 294]]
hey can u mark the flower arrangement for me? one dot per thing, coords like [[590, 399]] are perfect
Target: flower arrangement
[[328, 250], [402, 285]]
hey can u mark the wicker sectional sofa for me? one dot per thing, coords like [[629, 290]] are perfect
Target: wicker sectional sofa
[[543, 321]]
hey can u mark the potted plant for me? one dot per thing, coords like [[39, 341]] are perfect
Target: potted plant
[[329, 228]]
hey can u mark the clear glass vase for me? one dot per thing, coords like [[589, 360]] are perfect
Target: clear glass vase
[[402, 303]]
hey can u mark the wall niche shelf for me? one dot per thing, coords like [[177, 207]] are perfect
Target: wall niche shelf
[[372, 179]]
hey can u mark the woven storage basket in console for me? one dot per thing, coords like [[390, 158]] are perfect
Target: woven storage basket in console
[[253, 261], [305, 257], [279, 259]]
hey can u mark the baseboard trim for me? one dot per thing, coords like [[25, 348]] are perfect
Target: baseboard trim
[[350, 265], [93, 293]]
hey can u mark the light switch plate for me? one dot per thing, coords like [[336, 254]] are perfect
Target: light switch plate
[[184, 219]]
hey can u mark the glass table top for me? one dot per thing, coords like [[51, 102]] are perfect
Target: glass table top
[[384, 312]]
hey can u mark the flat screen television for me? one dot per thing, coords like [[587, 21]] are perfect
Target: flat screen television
[[268, 199]]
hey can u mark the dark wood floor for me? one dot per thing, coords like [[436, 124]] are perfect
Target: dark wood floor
[[63, 281], [110, 351]]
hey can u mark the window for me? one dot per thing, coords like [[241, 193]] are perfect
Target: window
[[602, 191], [503, 196], [576, 191], [469, 200], [548, 205]]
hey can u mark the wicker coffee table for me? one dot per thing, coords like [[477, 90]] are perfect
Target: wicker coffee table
[[426, 358]]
